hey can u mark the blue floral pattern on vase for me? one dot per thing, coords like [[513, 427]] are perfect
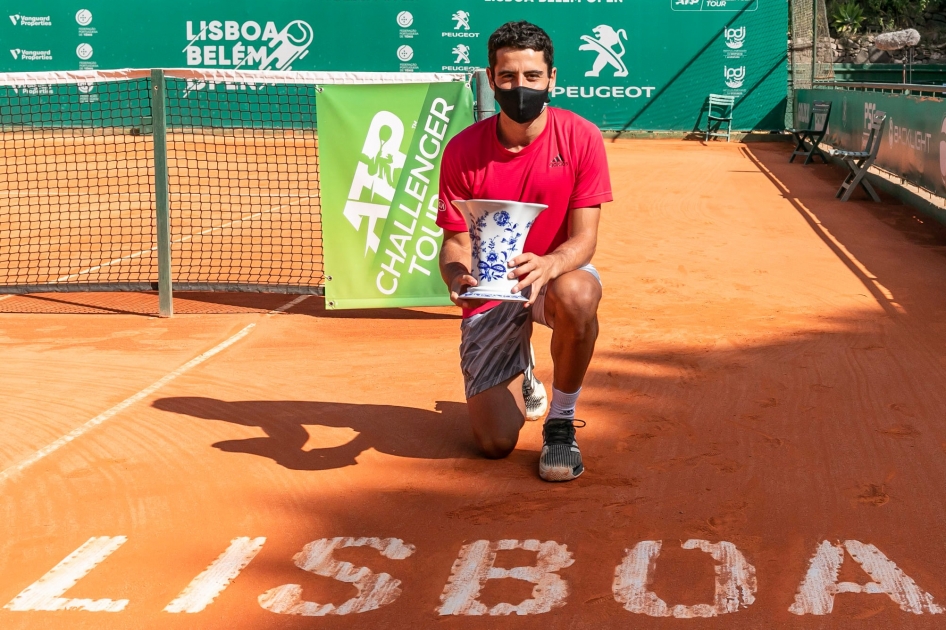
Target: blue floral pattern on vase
[[492, 263]]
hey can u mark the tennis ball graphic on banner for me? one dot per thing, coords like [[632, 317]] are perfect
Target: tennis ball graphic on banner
[[84, 51], [405, 53], [83, 17], [405, 19]]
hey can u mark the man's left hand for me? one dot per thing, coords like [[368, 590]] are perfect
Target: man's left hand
[[532, 270]]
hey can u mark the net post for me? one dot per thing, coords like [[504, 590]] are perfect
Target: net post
[[485, 103], [161, 195]]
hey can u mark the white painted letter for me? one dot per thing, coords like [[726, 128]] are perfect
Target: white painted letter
[[735, 581], [474, 566], [46, 592], [204, 588], [816, 593], [374, 589]]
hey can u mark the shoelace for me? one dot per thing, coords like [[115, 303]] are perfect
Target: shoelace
[[561, 430]]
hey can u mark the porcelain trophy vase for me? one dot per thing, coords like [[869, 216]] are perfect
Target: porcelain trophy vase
[[498, 231]]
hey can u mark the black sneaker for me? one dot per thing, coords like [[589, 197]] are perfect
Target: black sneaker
[[533, 392], [560, 459]]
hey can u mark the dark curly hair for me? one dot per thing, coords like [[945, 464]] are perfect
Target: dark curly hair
[[521, 36]]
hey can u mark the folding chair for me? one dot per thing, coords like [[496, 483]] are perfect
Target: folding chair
[[814, 133], [725, 107], [860, 161]]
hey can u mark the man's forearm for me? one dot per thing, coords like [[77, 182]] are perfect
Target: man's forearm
[[454, 260], [573, 254]]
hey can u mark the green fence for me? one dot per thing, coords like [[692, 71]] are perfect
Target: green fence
[[632, 64], [914, 142]]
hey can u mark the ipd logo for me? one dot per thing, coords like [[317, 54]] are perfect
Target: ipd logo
[[735, 37], [735, 77]]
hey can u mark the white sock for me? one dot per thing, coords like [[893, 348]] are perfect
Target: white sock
[[563, 405]]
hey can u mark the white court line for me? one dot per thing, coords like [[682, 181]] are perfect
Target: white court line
[[7, 296], [128, 402], [179, 240]]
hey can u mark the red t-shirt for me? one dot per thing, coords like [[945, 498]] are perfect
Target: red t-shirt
[[564, 168]]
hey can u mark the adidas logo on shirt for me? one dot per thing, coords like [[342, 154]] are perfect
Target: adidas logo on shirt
[[557, 161]]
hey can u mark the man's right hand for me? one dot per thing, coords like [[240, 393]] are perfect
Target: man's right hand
[[461, 282]]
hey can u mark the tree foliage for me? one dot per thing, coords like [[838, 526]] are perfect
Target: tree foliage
[[877, 15]]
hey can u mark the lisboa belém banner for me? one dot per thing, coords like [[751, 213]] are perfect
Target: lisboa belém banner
[[380, 148]]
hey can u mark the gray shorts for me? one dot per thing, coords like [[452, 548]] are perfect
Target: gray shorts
[[494, 346]]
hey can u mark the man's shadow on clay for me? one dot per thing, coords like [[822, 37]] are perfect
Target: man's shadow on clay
[[401, 431]]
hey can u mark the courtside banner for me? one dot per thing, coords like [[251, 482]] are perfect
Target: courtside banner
[[379, 154]]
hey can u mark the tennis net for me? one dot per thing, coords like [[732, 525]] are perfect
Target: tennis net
[[78, 200]]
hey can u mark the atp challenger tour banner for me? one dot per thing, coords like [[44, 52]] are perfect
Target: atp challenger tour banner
[[623, 64], [380, 148], [914, 142]]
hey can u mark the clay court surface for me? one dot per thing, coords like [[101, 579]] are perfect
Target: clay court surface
[[770, 373]]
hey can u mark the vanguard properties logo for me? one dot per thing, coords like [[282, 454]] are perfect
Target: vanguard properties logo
[[250, 44], [604, 44], [735, 77], [31, 20], [31, 55], [735, 37]]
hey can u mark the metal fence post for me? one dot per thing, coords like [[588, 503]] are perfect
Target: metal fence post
[[814, 41], [485, 103], [161, 195]]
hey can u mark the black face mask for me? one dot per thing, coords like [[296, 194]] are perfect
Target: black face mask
[[522, 104]]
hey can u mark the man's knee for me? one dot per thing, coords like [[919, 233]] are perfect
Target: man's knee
[[496, 416], [496, 447], [576, 296]]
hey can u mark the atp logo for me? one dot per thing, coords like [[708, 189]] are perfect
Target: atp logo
[[462, 19], [735, 77], [462, 51], [376, 176], [609, 47], [735, 37]]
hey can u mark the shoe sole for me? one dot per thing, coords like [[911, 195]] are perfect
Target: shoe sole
[[558, 474]]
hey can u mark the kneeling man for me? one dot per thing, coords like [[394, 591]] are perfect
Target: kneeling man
[[536, 154]]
